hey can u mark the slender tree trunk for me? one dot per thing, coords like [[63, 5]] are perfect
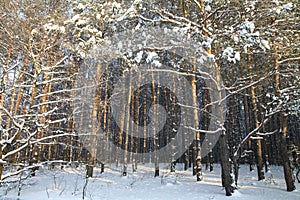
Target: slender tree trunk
[[121, 139], [155, 100], [173, 148], [211, 161], [14, 109], [137, 108], [2, 97], [1, 164], [258, 149], [288, 175], [197, 147], [250, 154], [1, 133], [127, 126], [184, 11], [43, 119], [106, 123], [144, 145], [135, 114], [12, 100]]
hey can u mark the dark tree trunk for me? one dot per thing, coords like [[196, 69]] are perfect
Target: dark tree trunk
[[124, 173], [193, 158], [1, 165], [225, 164], [236, 166], [173, 164], [258, 147], [267, 164], [156, 173], [190, 158], [89, 171], [250, 155], [251, 158], [259, 162], [288, 174], [186, 160], [102, 168], [211, 161]]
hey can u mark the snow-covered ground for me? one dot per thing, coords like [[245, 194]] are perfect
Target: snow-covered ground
[[68, 184]]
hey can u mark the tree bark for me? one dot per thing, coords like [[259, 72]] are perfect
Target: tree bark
[[89, 171], [250, 155], [155, 100], [288, 174], [225, 163], [258, 149], [127, 127]]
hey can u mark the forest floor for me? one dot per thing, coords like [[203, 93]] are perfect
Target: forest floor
[[68, 184]]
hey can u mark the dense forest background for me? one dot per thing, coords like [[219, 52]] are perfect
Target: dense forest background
[[254, 46]]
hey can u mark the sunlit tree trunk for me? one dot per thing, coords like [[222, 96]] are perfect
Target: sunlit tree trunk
[[127, 126], [2, 98], [15, 103], [184, 11], [94, 123], [197, 147]]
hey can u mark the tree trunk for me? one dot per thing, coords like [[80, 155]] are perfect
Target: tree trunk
[[225, 163], [258, 149], [184, 11], [197, 148], [145, 122], [288, 174], [155, 100], [173, 165], [211, 161], [89, 171], [1, 165], [127, 126], [224, 149], [156, 173], [102, 167], [2, 96], [186, 160], [250, 155], [124, 173]]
